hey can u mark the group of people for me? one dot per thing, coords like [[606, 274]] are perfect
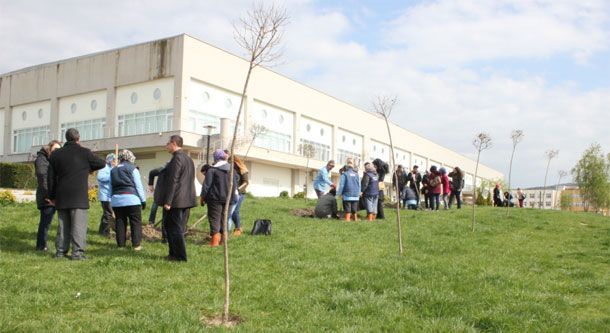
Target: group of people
[[506, 199], [367, 192], [62, 174]]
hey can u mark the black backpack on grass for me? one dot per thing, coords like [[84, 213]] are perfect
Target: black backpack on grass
[[262, 227]]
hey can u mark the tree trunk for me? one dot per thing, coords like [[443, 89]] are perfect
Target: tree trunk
[[474, 190], [543, 198], [400, 248], [510, 170]]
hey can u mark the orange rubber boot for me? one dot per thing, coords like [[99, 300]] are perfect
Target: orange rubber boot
[[215, 240], [237, 232], [347, 217]]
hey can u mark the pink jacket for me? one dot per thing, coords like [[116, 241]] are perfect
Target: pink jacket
[[445, 183]]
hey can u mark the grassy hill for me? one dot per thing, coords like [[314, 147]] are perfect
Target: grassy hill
[[532, 271]]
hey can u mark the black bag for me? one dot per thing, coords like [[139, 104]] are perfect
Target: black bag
[[262, 227]]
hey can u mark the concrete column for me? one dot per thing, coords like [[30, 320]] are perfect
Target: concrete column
[[54, 130], [296, 133], [333, 144], [5, 104], [225, 133]]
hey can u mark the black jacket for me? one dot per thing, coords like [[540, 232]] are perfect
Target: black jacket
[[41, 167], [69, 171], [177, 182], [154, 173], [216, 185]]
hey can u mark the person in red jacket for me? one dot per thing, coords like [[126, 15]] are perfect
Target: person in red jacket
[[445, 185], [435, 187]]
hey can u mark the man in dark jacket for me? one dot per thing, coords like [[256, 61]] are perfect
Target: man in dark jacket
[[47, 210], [68, 186], [215, 192], [414, 179], [177, 196]]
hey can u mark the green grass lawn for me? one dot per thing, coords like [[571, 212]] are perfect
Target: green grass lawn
[[532, 271]]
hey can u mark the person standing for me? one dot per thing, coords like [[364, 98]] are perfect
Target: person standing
[[68, 187], [349, 190], [104, 194], [215, 191], [47, 210], [414, 179], [399, 181], [154, 173], [322, 182], [434, 188], [497, 196], [446, 188], [520, 197], [370, 190], [177, 196], [382, 169], [128, 199], [457, 184], [242, 186]]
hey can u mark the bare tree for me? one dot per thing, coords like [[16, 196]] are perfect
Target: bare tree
[[383, 106], [308, 151], [481, 142], [561, 174], [258, 33], [516, 136], [550, 154], [255, 130]]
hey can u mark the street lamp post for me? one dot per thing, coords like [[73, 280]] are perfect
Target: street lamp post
[[207, 153]]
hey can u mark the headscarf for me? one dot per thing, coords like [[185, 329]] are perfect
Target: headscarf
[[126, 155]]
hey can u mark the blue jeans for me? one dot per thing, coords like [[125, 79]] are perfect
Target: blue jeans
[[46, 217], [435, 201], [458, 196], [153, 213], [235, 216]]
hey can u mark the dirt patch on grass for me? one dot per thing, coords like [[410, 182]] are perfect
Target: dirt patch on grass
[[150, 233], [302, 212], [216, 321]]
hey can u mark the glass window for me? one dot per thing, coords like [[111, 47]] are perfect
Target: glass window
[[146, 122], [88, 129], [24, 139], [343, 155], [322, 151], [274, 140]]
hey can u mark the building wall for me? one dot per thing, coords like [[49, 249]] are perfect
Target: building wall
[[269, 180], [2, 129]]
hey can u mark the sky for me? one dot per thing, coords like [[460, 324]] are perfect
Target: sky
[[457, 67]]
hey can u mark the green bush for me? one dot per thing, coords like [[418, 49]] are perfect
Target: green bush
[[17, 175], [7, 198], [299, 195], [284, 194]]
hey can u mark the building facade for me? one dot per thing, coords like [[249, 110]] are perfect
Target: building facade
[[139, 95]]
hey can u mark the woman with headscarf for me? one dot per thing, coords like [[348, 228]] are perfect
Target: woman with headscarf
[[46, 207], [128, 199]]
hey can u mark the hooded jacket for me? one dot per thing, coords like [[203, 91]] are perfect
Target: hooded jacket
[[216, 185], [41, 167]]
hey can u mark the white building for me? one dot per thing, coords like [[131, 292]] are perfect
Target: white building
[[139, 95], [545, 197]]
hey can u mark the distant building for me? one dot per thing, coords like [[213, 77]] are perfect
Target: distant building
[[563, 196], [139, 95]]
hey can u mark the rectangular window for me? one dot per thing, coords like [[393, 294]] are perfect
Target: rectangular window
[[548, 204], [343, 155], [146, 122], [532, 195], [549, 195], [274, 141], [24, 139], [88, 129], [321, 151]]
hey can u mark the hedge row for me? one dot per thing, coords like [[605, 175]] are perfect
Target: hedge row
[[17, 175]]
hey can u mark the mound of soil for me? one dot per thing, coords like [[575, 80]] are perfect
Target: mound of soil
[[303, 212]]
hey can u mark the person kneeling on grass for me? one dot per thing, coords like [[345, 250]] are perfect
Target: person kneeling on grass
[[128, 199], [349, 189], [410, 198], [326, 207], [370, 190]]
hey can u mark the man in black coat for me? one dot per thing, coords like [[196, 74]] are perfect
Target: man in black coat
[[177, 196], [68, 189]]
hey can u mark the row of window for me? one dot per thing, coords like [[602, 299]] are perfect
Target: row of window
[[314, 150], [131, 124], [533, 195]]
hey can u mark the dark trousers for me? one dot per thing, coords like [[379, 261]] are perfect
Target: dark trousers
[[134, 215], [106, 218], [458, 196], [153, 213], [435, 201], [215, 216], [350, 207], [175, 224], [380, 199], [46, 217]]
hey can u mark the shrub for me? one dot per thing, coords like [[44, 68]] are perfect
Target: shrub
[[299, 195], [7, 198], [92, 194], [284, 194], [17, 175]]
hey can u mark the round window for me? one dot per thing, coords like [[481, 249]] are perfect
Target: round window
[[354, 142], [40, 113], [343, 138], [157, 94], [382, 150], [321, 132], [264, 113], [134, 98], [93, 105], [228, 103], [73, 108], [374, 148], [308, 127], [281, 119], [24, 115], [206, 96]]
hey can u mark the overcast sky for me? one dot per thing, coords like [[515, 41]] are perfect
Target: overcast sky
[[458, 67]]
